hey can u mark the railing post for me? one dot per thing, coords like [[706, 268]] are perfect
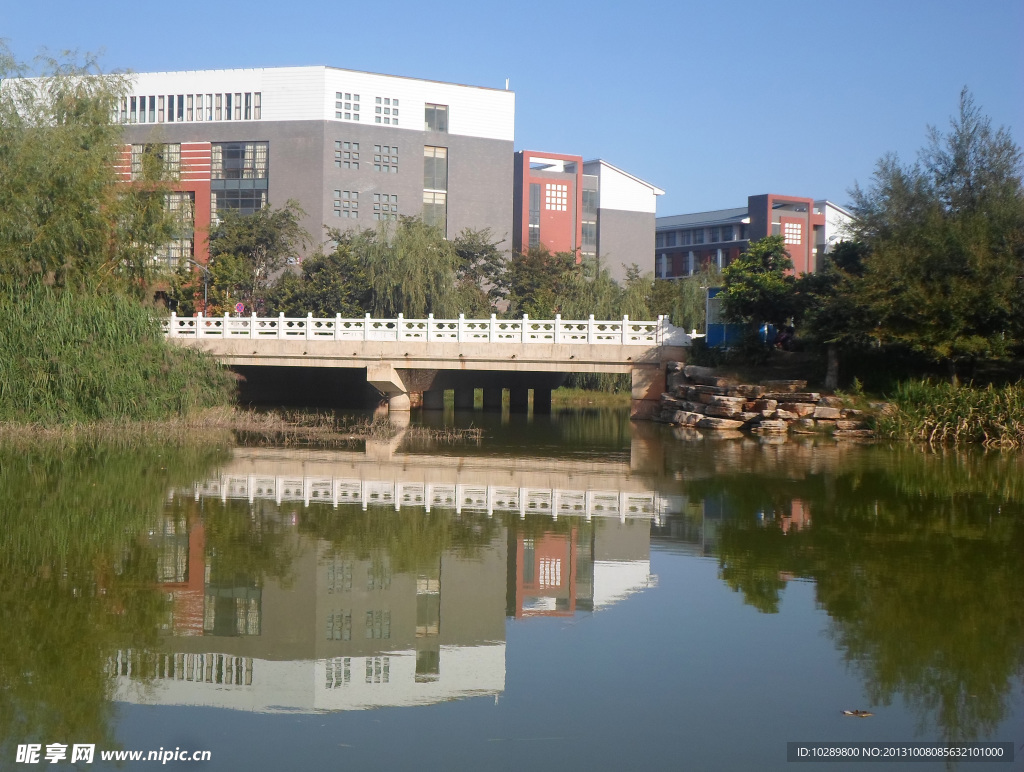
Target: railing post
[[458, 334], [522, 333], [558, 328], [173, 329], [625, 328], [492, 329], [590, 329], [224, 329], [366, 327], [398, 327], [309, 325], [199, 324], [280, 325], [337, 325], [252, 325], [430, 325]]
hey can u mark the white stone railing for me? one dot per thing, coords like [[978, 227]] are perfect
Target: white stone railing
[[621, 332]]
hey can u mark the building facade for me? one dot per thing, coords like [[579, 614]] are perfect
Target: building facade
[[352, 148], [565, 204], [685, 243]]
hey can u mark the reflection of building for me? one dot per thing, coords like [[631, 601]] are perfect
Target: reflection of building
[[685, 243]]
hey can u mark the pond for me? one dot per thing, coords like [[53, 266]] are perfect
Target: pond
[[572, 592]]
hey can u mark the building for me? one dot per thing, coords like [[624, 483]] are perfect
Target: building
[[686, 242], [351, 147], [597, 210]]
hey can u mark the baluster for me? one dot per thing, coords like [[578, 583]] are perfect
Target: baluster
[[590, 329], [309, 325], [430, 327], [199, 325], [366, 327], [337, 333], [492, 329], [558, 328], [399, 325], [280, 325], [224, 329], [522, 333], [173, 330], [462, 324], [252, 325], [625, 329]]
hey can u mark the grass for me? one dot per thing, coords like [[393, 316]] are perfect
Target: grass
[[575, 397], [944, 414]]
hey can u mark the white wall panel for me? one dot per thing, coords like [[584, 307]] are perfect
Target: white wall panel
[[621, 191]]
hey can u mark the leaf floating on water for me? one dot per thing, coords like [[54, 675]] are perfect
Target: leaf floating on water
[[858, 713]]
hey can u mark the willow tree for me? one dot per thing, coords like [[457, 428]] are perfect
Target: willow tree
[[65, 218]]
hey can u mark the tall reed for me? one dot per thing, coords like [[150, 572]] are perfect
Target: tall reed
[[944, 414], [69, 357]]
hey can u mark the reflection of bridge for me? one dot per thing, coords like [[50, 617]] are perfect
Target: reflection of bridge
[[461, 498], [430, 355]]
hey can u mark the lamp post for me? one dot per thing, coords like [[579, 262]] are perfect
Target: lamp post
[[206, 280]]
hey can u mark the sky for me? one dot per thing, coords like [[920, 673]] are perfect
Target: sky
[[710, 101]]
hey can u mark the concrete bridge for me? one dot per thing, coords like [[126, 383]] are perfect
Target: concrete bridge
[[404, 357]]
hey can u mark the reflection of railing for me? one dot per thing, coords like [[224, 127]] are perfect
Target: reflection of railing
[[621, 332], [554, 502]]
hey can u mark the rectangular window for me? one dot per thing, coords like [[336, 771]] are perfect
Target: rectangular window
[[160, 109], [698, 236], [590, 204], [257, 105], [435, 168], [793, 232], [714, 235], [220, 103], [726, 233], [534, 221], [156, 159], [238, 107], [435, 209], [436, 118], [188, 108], [248, 106], [179, 114], [244, 201], [133, 116], [670, 239], [687, 238], [239, 160]]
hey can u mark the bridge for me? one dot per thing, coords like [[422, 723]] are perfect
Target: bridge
[[404, 357]]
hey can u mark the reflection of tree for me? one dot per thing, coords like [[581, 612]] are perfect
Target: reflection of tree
[[410, 537], [77, 581], [918, 560]]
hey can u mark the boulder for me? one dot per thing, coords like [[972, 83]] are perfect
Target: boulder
[[718, 424], [801, 409], [793, 396], [784, 386], [828, 413]]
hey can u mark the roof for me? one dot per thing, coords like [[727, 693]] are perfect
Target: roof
[[654, 188], [714, 217]]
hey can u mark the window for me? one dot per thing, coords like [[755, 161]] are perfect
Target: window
[[239, 160], [245, 201], [715, 233], [385, 158], [436, 118], [346, 105], [339, 670], [346, 154], [727, 233], [793, 232], [181, 205], [685, 238], [378, 670], [435, 209], [155, 161], [385, 206], [698, 236], [378, 624], [670, 239], [556, 196], [339, 626], [346, 204], [435, 168], [534, 221]]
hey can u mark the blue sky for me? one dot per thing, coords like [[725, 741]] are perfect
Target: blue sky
[[711, 101]]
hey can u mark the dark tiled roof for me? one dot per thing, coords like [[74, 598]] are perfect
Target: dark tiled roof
[[715, 217]]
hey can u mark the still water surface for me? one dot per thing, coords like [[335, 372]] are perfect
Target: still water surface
[[572, 593]]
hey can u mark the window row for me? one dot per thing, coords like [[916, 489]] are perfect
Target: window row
[[716, 235], [186, 108]]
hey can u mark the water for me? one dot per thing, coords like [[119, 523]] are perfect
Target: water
[[693, 605]]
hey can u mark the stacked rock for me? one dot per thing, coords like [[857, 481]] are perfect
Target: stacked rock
[[697, 397]]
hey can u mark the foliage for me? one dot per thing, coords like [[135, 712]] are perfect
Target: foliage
[[537, 282], [480, 270], [757, 288], [952, 414], [68, 357], [247, 253], [65, 219], [327, 285], [685, 300], [944, 274]]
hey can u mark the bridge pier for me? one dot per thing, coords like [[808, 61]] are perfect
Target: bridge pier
[[541, 401], [433, 400], [648, 382], [518, 399], [464, 399], [492, 398]]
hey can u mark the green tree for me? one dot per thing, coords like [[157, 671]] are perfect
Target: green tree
[[537, 281], [759, 284], [247, 253], [480, 271], [944, 276], [329, 284], [65, 218]]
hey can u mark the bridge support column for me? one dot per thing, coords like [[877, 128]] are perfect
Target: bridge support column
[[433, 400], [492, 398], [386, 379], [518, 399], [463, 399], [648, 385], [541, 401]]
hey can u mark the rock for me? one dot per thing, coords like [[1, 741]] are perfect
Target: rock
[[771, 426], [718, 423], [675, 381], [805, 423], [734, 402], [695, 392], [850, 425], [785, 415], [853, 434], [747, 417], [801, 409], [793, 396], [686, 418], [722, 411], [687, 434], [831, 402], [784, 386], [718, 381], [830, 413], [747, 390], [727, 434], [765, 404]]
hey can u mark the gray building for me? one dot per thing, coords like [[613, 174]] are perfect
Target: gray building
[[352, 148]]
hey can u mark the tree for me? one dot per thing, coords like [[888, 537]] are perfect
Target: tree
[[65, 218], [480, 271], [537, 281], [758, 288], [944, 274], [247, 252], [329, 284]]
